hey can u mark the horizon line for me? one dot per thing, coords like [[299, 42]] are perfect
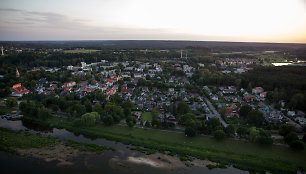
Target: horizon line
[[69, 40]]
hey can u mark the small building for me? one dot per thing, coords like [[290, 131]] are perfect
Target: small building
[[69, 84], [257, 90], [18, 90]]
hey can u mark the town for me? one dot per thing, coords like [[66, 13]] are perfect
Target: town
[[223, 97]]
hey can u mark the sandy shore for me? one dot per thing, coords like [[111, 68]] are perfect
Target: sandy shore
[[158, 160], [59, 152]]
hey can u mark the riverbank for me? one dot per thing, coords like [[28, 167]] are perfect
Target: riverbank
[[45, 148], [243, 155]]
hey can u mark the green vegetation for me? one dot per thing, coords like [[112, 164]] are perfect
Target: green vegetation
[[247, 156], [87, 146], [81, 51], [210, 166], [146, 116], [219, 134], [21, 139], [147, 151]]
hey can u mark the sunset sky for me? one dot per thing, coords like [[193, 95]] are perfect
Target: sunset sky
[[207, 20]]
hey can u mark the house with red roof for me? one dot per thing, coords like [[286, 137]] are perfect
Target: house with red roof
[[69, 84], [257, 90], [18, 90]]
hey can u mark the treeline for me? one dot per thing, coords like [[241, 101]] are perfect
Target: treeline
[[283, 83], [82, 110]]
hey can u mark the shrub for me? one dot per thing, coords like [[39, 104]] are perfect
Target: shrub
[[291, 137], [108, 120], [219, 134], [190, 132]]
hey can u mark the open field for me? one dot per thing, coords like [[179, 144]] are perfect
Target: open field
[[146, 116], [244, 155], [81, 51]]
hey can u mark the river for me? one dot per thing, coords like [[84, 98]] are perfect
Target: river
[[108, 162]]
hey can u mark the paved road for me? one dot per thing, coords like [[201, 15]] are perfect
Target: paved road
[[215, 113]]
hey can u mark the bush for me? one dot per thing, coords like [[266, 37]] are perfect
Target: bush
[[264, 137], [242, 131], [130, 124], [230, 131], [108, 120], [291, 137], [297, 145], [219, 134], [286, 129], [190, 132]]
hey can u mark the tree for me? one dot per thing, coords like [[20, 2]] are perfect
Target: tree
[[285, 129], [219, 134], [98, 108], [291, 137], [213, 124], [186, 118], [304, 138], [108, 120], [229, 131], [253, 135], [255, 118], [130, 124], [297, 145], [264, 137], [182, 108], [244, 110], [190, 132], [90, 119], [88, 106], [43, 113], [242, 131]]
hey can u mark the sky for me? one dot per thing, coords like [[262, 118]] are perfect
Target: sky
[[202, 20]]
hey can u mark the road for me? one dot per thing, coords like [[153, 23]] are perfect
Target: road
[[215, 112]]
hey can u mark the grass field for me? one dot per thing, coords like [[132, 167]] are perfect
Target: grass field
[[80, 51], [244, 155], [146, 116]]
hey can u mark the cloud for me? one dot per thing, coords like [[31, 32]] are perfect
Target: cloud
[[31, 25]]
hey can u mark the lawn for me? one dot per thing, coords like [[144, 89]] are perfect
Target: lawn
[[80, 51], [146, 116]]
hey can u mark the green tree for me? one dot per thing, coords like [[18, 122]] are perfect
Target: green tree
[[264, 137], [98, 108], [230, 131], [130, 124], [291, 137], [253, 134], [186, 118], [108, 120], [285, 129], [242, 131], [90, 119], [182, 108], [244, 110], [213, 124], [255, 118], [44, 113], [190, 132], [219, 134], [88, 106]]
